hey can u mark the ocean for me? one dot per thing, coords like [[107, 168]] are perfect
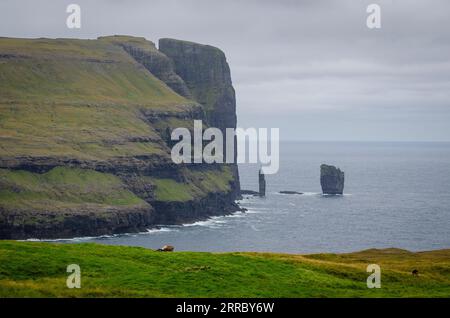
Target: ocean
[[396, 195]]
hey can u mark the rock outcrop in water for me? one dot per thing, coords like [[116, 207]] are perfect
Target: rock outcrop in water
[[86, 135], [331, 179], [290, 192], [262, 184], [249, 192]]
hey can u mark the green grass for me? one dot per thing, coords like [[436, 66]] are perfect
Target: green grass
[[198, 184], [171, 190], [81, 132], [62, 187], [80, 99], [78, 72], [29, 269]]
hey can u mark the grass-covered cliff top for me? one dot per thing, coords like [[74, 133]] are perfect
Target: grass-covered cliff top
[[72, 71], [78, 99], [39, 270], [137, 42]]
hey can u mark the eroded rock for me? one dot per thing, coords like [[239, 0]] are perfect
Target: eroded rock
[[331, 179]]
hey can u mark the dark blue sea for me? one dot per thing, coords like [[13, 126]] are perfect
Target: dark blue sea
[[396, 195]]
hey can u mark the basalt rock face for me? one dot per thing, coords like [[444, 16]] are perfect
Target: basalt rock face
[[331, 180], [205, 70], [85, 137], [69, 223], [213, 204]]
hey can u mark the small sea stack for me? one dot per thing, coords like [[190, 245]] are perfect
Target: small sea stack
[[331, 179], [262, 184], [249, 192], [290, 192]]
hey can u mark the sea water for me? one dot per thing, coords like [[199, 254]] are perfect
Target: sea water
[[396, 195]]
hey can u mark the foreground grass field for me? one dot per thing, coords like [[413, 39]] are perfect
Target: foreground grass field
[[29, 269]]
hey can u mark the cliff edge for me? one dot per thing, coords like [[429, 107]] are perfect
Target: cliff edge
[[85, 137]]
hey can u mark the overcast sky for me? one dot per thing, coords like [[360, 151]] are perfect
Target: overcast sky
[[311, 68]]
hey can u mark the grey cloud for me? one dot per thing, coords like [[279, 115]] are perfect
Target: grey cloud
[[293, 61]]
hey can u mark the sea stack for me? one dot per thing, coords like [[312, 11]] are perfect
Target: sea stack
[[262, 184], [331, 179]]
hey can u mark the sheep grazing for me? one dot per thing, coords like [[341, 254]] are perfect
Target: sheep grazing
[[166, 248]]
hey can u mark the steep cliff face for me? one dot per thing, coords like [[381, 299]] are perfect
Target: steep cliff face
[[145, 53], [85, 140], [205, 70]]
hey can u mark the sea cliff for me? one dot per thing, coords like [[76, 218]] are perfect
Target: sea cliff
[[85, 135]]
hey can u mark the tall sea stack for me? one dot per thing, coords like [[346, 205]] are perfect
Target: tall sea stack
[[262, 184], [331, 179]]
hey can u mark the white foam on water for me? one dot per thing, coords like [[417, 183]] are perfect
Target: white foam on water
[[212, 222], [74, 239], [159, 230], [90, 238], [236, 215], [254, 211]]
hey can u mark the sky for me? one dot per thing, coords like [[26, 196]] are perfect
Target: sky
[[311, 68]]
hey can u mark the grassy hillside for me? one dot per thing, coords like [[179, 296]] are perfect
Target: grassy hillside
[[198, 184], [79, 99], [77, 72], [62, 187], [99, 113], [39, 270]]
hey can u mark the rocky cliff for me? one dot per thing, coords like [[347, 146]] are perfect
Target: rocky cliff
[[85, 135], [205, 70], [331, 179]]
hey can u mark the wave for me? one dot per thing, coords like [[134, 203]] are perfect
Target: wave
[[158, 230], [236, 215], [219, 221], [254, 211], [106, 236], [211, 222], [74, 239]]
